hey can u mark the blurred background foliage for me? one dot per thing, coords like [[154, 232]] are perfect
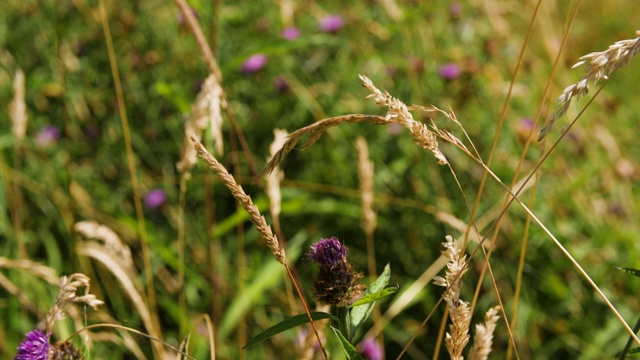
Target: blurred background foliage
[[585, 194]]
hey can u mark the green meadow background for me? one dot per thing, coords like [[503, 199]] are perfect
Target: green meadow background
[[586, 193]]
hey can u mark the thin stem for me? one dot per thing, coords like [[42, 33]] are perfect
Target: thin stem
[[146, 254]]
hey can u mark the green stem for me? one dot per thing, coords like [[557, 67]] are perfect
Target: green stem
[[342, 312]]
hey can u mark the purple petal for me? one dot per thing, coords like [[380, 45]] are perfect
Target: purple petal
[[290, 33], [254, 63], [331, 23], [34, 347], [449, 71], [155, 198]]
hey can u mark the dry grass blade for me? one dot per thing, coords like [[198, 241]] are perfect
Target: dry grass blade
[[244, 200], [69, 286], [599, 65], [206, 111], [18, 108], [316, 130]]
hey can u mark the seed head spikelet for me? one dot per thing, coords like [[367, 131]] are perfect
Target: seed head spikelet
[[599, 65], [399, 113], [483, 336], [459, 312], [244, 200]]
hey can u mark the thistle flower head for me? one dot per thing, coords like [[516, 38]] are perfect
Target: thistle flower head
[[34, 347], [328, 252], [336, 283]]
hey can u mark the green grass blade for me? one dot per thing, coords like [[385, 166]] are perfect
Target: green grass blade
[[286, 324], [349, 349]]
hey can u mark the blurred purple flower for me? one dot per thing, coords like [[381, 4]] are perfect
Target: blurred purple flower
[[449, 71], [280, 84], [523, 129], [34, 347], [254, 63], [48, 135], [155, 198], [455, 9], [328, 252], [371, 349], [182, 20], [331, 23], [290, 33], [394, 128]]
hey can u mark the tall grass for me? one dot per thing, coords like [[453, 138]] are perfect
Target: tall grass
[[473, 177]]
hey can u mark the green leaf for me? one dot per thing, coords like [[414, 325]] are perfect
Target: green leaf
[[287, 324], [635, 352], [631, 271], [376, 296], [349, 349], [360, 312]]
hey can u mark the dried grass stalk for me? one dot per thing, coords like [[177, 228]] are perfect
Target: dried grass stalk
[[365, 171], [205, 112], [483, 336], [69, 286], [18, 108], [93, 230], [273, 180], [316, 130], [399, 113], [244, 200], [459, 312], [599, 65]]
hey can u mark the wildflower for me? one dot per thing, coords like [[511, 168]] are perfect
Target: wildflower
[[34, 347], [155, 198], [371, 349], [523, 129], [254, 63], [280, 84], [48, 135], [290, 33], [455, 10], [449, 71], [182, 21], [336, 283], [331, 23]]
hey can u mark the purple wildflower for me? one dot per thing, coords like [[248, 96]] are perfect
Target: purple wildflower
[[34, 347], [290, 33], [523, 129], [155, 198], [336, 283], [455, 10], [370, 349], [280, 84], [328, 252], [449, 71], [182, 20], [48, 135], [254, 63], [331, 23]]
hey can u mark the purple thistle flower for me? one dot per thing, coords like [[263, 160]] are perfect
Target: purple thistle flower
[[290, 33], [449, 71], [371, 349], [328, 252], [254, 63], [34, 347], [48, 135], [155, 198], [336, 283], [331, 23]]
